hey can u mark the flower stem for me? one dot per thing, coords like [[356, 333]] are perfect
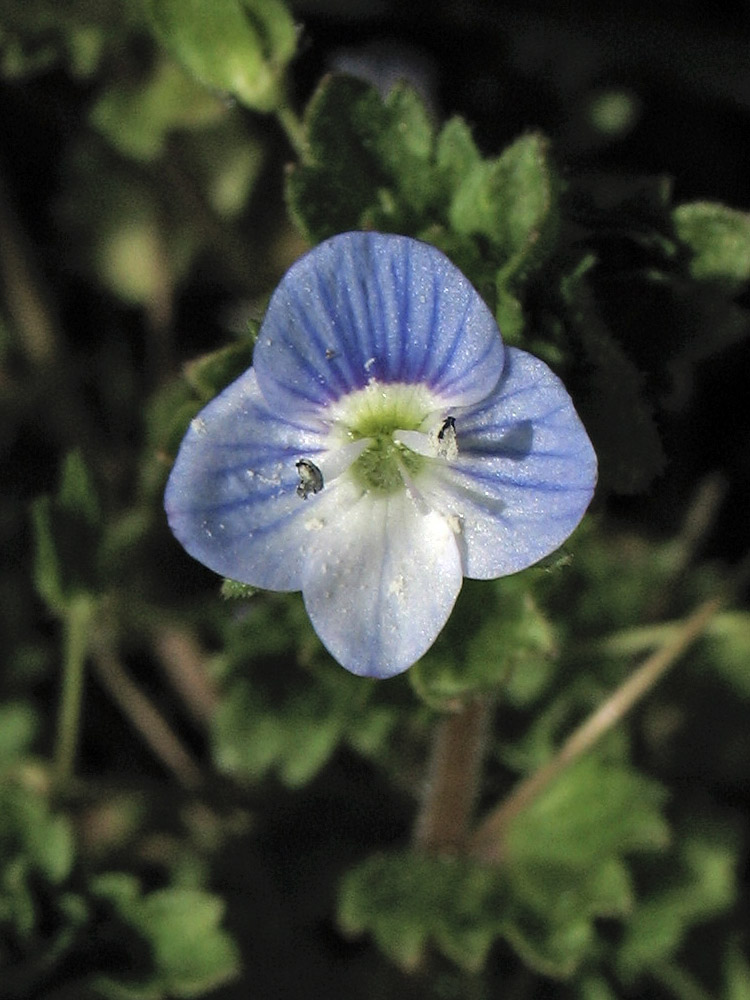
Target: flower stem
[[453, 779], [293, 128], [487, 841], [76, 643]]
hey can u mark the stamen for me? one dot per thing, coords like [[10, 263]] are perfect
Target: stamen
[[310, 478]]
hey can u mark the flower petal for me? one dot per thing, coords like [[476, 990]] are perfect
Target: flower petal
[[367, 306], [524, 475], [232, 500], [382, 579]]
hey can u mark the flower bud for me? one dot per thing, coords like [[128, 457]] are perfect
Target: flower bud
[[237, 46]]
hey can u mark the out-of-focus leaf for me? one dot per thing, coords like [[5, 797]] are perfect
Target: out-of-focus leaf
[[66, 536], [240, 47], [18, 727], [719, 238], [137, 118], [701, 884], [191, 954]]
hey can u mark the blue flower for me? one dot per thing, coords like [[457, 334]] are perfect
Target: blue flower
[[384, 445]]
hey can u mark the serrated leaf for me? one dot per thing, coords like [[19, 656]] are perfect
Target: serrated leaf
[[512, 201], [702, 884], [409, 900], [191, 954], [456, 154], [617, 415], [496, 639], [329, 192], [719, 238], [595, 811]]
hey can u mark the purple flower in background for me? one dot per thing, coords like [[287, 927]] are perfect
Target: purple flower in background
[[384, 445]]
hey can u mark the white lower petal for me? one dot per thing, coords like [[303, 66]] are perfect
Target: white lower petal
[[381, 579]]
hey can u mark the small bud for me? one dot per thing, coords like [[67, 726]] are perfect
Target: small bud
[[240, 47]]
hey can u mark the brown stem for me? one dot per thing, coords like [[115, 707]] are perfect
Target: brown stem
[[184, 662], [487, 842], [143, 716], [444, 819]]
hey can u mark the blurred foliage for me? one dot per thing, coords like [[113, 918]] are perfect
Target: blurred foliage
[[240, 805]]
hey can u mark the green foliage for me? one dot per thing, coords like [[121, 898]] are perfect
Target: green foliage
[[136, 118], [719, 238], [727, 649], [240, 47], [37, 34], [563, 868], [189, 951], [701, 884], [155, 230], [618, 416], [66, 533], [502, 644], [271, 718], [408, 900]]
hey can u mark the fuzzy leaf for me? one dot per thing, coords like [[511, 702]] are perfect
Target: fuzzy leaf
[[488, 645], [616, 412], [366, 160], [513, 202]]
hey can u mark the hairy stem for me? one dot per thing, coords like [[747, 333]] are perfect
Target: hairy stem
[[488, 839], [452, 784]]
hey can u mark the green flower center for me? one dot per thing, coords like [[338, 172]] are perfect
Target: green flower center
[[377, 412]]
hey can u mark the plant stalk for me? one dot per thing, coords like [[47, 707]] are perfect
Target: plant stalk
[[75, 645], [487, 842], [452, 786]]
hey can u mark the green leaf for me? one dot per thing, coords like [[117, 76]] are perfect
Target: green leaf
[[137, 118], [719, 238], [18, 727], [211, 373], [456, 155], [496, 639], [513, 202], [241, 48], [702, 884], [329, 192], [408, 900], [191, 954], [727, 649], [595, 811], [36, 846], [565, 860], [234, 590], [276, 717], [616, 412]]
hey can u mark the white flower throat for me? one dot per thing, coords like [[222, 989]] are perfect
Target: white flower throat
[[383, 436]]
